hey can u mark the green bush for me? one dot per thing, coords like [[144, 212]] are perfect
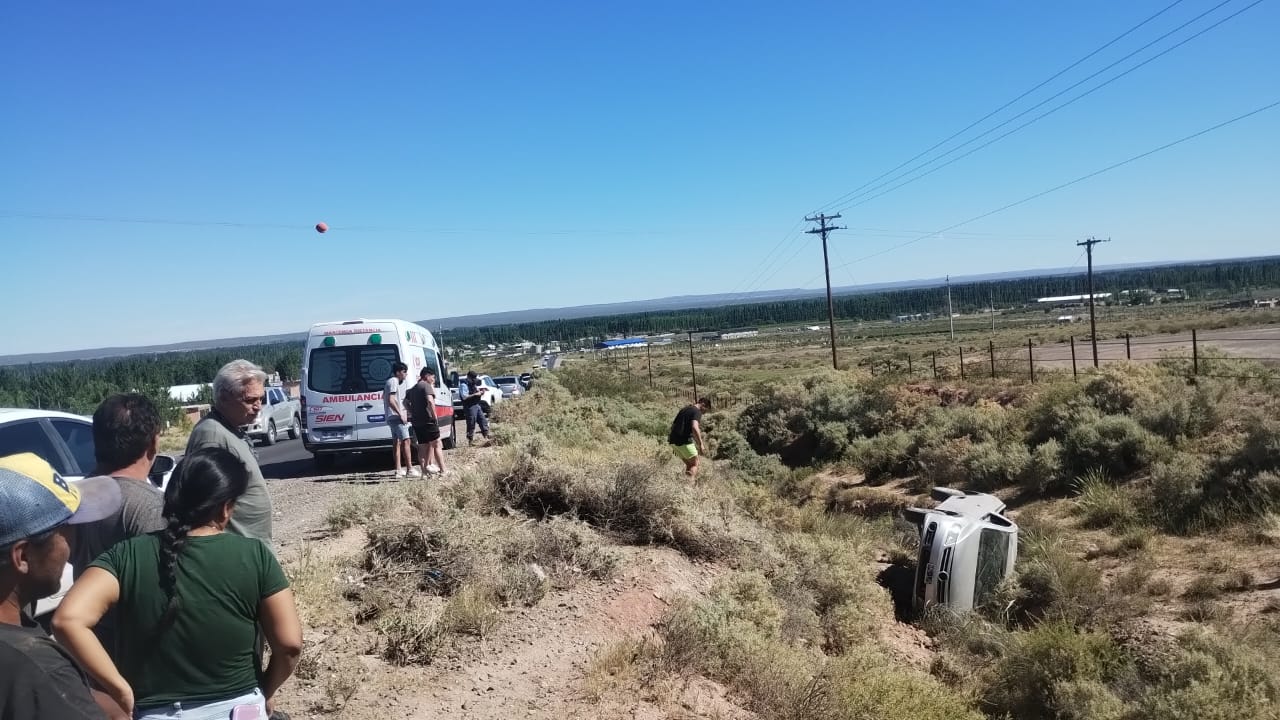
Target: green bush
[[1114, 444], [1029, 681], [883, 456], [1055, 410], [1044, 472], [1173, 494]]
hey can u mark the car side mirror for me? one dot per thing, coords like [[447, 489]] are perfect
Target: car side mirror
[[161, 469]]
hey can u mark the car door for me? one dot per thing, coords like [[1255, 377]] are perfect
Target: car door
[[279, 412]]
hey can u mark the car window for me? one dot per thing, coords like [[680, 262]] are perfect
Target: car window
[[352, 369], [78, 436], [277, 397], [30, 436]]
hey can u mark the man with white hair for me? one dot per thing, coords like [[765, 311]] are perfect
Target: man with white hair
[[239, 391]]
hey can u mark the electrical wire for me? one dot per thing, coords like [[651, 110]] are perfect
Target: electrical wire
[[982, 119], [865, 199], [1062, 186]]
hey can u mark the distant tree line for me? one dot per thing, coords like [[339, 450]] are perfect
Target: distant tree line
[[1196, 279], [78, 386]]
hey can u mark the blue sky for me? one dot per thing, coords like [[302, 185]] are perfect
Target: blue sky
[[581, 153]]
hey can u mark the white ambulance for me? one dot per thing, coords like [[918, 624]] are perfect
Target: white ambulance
[[344, 368]]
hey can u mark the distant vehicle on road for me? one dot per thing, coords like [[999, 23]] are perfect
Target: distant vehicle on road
[[65, 441], [510, 385], [279, 412], [344, 368]]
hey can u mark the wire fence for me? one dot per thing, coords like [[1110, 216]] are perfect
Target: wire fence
[[1242, 355]]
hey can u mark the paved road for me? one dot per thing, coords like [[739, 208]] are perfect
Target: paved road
[[1259, 343]]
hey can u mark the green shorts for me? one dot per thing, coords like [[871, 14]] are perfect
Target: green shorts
[[685, 452]]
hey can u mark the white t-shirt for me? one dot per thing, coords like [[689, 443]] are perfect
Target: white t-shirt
[[396, 388]]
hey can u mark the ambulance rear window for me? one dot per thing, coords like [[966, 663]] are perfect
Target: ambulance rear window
[[352, 369]]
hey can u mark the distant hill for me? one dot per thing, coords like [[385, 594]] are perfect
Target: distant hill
[[679, 302]]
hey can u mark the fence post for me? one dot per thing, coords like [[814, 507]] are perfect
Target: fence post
[[991, 346], [1195, 353], [935, 364], [1128, 354], [1075, 374], [909, 370], [1031, 360], [961, 362]]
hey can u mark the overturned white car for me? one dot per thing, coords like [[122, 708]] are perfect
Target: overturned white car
[[967, 548]]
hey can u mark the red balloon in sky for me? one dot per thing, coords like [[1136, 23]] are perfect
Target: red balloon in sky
[[321, 227]]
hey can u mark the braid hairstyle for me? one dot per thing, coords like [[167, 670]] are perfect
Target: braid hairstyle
[[202, 484]]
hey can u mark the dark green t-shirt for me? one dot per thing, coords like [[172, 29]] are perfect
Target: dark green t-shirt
[[207, 653]]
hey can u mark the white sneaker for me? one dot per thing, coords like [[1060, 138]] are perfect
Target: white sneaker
[[400, 472], [433, 468], [415, 472]]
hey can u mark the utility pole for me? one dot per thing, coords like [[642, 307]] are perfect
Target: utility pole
[[1093, 325], [823, 229], [693, 369], [951, 316]]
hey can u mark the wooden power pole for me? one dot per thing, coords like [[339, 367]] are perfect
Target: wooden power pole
[[823, 229], [1093, 324]]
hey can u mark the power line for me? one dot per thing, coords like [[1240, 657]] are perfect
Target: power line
[[1055, 188], [864, 199], [1080, 179], [982, 119]]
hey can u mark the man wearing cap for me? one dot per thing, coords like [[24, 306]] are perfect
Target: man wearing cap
[[38, 679]]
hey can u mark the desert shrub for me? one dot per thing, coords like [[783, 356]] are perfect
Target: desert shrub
[[358, 507], [1115, 444], [1049, 584], [883, 456], [1026, 682], [983, 465], [1213, 678], [1119, 389], [865, 501], [992, 465], [1179, 411], [598, 380], [410, 637], [1055, 410], [1044, 473], [1102, 504], [1173, 493]]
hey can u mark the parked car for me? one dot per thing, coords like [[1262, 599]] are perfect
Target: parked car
[[65, 441], [279, 412], [526, 379], [492, 394], [510, 385]]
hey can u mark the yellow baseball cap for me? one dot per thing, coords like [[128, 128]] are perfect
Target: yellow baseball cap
[[35, 499]]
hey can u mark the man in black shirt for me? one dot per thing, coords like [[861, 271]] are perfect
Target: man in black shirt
[[38, 679], [686, 435]]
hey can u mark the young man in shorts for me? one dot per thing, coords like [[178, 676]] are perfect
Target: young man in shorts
[[421, 401], [393, 408], [686, 435]]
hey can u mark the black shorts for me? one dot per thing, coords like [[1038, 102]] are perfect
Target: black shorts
[[427, 432]]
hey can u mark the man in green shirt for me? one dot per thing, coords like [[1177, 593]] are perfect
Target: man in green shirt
[[239, 390]]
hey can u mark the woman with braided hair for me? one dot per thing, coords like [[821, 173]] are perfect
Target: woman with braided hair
[[189, 600]]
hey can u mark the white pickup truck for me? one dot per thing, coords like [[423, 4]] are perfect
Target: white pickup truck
[[279, 412]]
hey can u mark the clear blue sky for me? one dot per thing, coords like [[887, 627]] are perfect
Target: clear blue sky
[[576, 153]]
